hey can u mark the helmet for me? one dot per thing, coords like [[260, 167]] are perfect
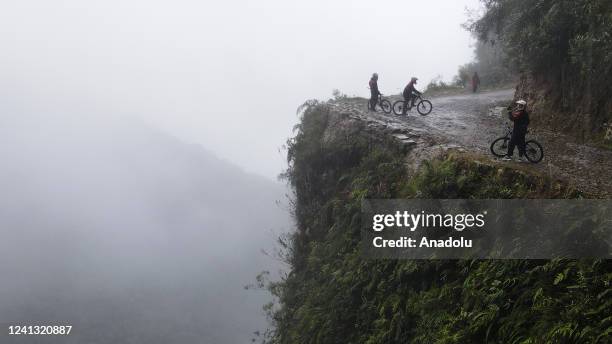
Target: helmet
[[521, 102], [414, 79], [375, 75]]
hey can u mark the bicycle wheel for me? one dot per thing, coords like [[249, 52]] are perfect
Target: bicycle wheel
[[386, 106], [499, 147], [397, 107], [534, 151], [424, 107]]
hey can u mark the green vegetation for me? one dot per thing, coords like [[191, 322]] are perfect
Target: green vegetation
[[563, 48], [333, 295], [491, 64], [438, 86]]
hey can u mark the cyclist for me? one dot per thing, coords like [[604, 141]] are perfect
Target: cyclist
[[374, 92], [409, 92], [520, 117]]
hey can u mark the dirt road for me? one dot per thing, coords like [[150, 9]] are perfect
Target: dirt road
[[473, 121]]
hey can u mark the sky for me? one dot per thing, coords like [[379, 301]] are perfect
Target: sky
[[227, 75], [122, 124]]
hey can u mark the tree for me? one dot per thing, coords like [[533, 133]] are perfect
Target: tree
[[565, 44]]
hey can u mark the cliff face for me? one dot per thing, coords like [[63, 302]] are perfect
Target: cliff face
[[570, 107], [333, 295], [563, 48]]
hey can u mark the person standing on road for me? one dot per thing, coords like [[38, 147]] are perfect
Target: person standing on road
[[475, 82], [374, 93], [408, 94], [520, 117]]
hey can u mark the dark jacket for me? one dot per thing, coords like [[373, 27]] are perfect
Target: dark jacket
[[374, 87], [409, 89], [520, 118]]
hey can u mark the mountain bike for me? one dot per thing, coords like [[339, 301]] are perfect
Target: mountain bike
[[423, 106], [533, 149], [384, 104]]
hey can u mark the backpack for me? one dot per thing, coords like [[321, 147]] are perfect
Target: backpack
[[516, 115]]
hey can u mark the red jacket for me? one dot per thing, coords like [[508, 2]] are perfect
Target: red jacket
[[475, 80], [374, 87]]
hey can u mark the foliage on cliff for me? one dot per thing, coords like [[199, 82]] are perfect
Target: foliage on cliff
[[563, 48], [334, 295]]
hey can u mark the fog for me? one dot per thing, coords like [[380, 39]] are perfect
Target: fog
[[140, 141], [226, 74], [129, 235]]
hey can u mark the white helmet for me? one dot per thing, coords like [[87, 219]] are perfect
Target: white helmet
[[521, 102]]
